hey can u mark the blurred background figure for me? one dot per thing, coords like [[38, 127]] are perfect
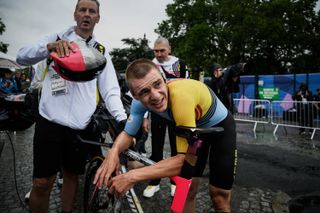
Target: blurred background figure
[[316, 98], [304, 107], [7, 83], [225, 82]]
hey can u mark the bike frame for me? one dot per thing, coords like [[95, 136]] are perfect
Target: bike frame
[[132, 198], [183, 181]]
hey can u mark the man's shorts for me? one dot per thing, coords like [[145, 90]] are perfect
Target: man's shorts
[[56, 147], [222, 152]]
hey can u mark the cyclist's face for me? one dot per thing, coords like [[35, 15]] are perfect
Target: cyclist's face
[[161, 52], [151, 91], [86, 15]]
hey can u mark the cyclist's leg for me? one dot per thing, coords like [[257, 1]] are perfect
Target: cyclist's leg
[[190, 204], [222, 161], [221, 198], [203, 153]]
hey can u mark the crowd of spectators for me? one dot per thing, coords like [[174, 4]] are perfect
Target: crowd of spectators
[[13, 82]]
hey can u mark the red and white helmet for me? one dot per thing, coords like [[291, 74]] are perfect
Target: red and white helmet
[[84, 64]]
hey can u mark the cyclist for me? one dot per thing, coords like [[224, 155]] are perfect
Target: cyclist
[[172, 67], [201, 109]]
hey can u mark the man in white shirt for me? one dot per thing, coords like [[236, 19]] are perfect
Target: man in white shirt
[[67, 113]]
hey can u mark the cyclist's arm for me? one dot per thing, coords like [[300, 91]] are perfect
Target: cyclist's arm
[[165, 168], [122, 142], [120, 184], [111, 162]]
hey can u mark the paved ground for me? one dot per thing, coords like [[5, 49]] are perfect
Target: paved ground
[[271, 174]]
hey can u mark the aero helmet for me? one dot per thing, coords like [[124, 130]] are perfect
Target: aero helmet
[[84, 64]]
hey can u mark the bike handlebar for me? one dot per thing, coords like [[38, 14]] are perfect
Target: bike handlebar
[[189, 132], [108, 145]]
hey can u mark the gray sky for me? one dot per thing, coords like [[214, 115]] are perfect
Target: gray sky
[[28, 20]]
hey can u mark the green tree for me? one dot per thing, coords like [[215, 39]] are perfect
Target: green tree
[[3, 46], [268, 34], [136, 48]]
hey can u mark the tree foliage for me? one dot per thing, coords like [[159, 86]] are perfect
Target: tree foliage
[[270, 35], [136, 48], [3, 46]]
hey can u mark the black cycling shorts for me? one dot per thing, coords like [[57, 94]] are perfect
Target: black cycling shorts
[[55, 147], [222, 152]]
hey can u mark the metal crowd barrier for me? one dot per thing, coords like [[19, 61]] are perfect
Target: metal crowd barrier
[[252, 110], [299, 114]]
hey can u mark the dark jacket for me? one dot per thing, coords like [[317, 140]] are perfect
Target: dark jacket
[[224, 86]]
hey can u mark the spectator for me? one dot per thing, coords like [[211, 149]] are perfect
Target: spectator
[[172, 67], [225, 82], [66, 108], [304, 107], [24, 83], [17, 78], [316, 98], [7, 83]]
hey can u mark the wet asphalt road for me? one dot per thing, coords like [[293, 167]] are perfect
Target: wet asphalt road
[[291, 164], [270, 174]]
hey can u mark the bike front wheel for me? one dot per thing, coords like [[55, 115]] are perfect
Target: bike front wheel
[[94, 200], [99, 200]]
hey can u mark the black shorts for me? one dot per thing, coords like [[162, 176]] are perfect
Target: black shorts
[[222, 153], [55, 147]]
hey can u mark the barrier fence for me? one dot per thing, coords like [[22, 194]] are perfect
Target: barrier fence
[[304, 115], [252, 110]]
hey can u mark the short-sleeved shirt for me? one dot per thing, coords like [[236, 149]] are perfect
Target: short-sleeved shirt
[[190, 103]]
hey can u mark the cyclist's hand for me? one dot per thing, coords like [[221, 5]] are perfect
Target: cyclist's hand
[[110, 164], [120, 184], [61, 47]]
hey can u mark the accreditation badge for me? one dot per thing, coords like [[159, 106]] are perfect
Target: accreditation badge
[[58, 84]]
